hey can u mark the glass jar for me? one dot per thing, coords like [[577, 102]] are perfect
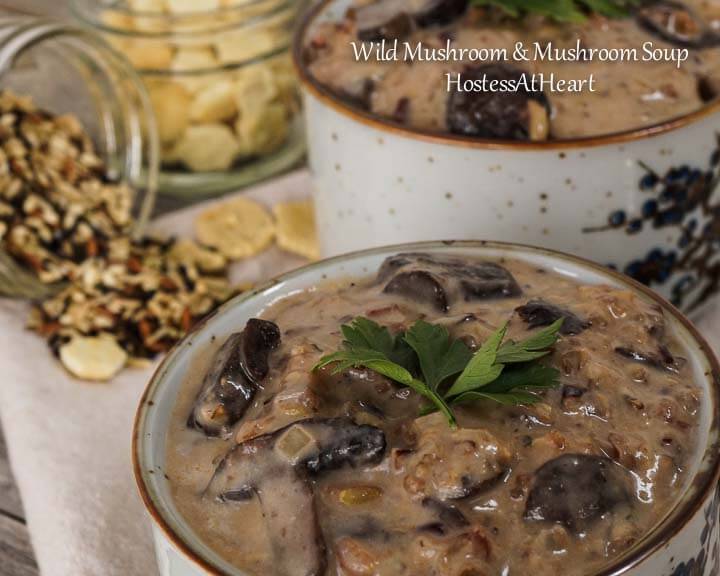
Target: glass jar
[[220, 77], [69, 70]]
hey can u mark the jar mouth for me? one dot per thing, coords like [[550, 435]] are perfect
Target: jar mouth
[[89, 12]]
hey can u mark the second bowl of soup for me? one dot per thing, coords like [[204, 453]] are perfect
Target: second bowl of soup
[[625, 175]]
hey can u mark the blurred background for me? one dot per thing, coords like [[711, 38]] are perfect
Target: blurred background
[[46, 7]]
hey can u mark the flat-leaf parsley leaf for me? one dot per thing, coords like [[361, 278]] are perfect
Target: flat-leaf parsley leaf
[[444, 370]]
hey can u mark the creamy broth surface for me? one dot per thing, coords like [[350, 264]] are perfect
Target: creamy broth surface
[[427, 499], [628, 95]]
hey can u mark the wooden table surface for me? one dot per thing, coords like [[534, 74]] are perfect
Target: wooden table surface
[[16, 554]]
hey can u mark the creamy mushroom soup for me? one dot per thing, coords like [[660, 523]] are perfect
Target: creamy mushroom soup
[[574, 436], [586, 83]]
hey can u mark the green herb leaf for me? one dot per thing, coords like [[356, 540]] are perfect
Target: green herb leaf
[[369, 345], [482, 368], [439, 357], [438, 402], [367, 358], [514, 398], [528, 376], [532, 348], [562, 10], [506, 373], [364, 333]]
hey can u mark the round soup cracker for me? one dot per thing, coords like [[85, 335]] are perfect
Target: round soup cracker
[[97, 358], [296, 231], [239, 228]]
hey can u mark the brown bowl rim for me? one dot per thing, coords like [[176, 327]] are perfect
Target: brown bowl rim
[[666, 531], [327, 97]]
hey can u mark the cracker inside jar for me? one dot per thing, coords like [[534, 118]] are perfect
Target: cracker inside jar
[[209, 123]]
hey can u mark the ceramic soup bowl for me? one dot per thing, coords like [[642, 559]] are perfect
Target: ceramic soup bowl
[[685, 543], [644, 201]]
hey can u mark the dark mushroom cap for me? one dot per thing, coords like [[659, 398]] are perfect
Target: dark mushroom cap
[[575, 490], [438, 280], [538, 313], [676, 23], [421, 286], [662, 359], [232, 381], [492, 114], [439, 12]]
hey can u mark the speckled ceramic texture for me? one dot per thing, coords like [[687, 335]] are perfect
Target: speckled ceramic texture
[[605, 199], [686, 544]]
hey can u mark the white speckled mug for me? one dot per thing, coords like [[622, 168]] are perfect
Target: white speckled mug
[[645, 201], [686, 543]]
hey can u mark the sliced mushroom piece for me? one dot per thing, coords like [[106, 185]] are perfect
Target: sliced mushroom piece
[[393, 264], [662, 360], [538, 313], [366, 389], [311, 447], [254, 470], [575, 490], [276, 468], [435, 279], [570, 391], [420, 286], [395, 19], [489, 280], [449, 517], [396, 28], [494, 114], [340, 442], [387, 20], [293, 397], [233, 379], [708, 88], [438, 12], [677, 23]]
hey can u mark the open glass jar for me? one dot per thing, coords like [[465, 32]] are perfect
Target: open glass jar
[[69, 70], [221, 81]]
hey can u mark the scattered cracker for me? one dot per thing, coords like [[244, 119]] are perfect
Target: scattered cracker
[[96, 358], [239, 228], [296, 230]]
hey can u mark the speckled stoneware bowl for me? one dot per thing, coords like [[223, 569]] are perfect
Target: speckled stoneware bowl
[[643, 201], [684, 544]]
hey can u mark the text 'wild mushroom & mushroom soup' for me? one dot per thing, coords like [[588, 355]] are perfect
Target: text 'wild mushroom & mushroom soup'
[[622, 66]]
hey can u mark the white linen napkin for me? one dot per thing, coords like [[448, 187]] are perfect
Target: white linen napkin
[[69, 441]]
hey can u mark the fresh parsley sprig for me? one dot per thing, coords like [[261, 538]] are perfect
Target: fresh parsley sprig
[[444, 370], [562, 10]]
